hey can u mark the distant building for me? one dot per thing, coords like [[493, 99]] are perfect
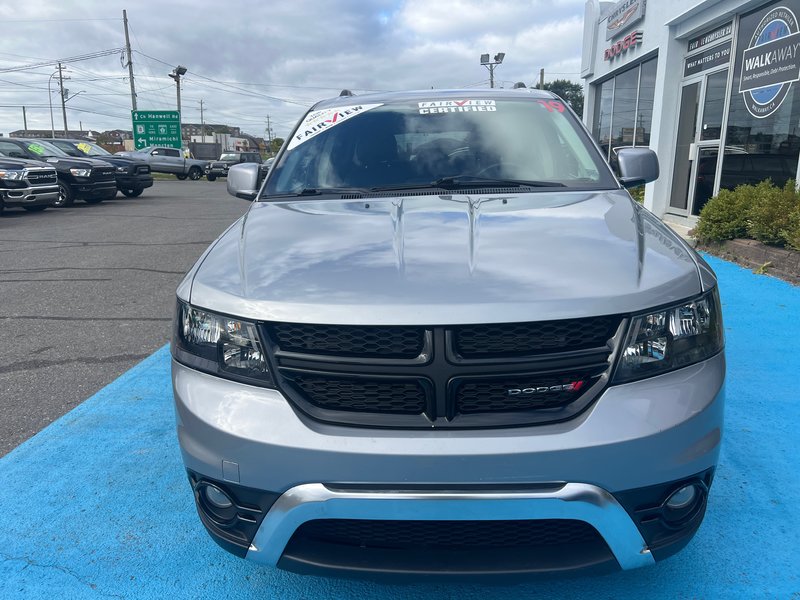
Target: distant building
[[190, 129], [117, 135], [59, 133]]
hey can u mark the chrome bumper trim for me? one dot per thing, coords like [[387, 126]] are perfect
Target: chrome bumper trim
[[577, 501]]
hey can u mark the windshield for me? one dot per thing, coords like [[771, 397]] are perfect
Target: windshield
[[229, 156], [90, 149], [42, 148], [418, 144]]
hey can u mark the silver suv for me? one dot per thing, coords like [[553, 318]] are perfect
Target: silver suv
[[444, 340]]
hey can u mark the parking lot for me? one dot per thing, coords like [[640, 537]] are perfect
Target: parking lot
[[97, 504], [88, 292]]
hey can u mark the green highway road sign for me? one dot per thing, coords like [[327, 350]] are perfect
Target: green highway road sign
[[156, 128]]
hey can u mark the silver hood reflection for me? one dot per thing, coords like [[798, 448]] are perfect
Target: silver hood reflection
[[444, 259]]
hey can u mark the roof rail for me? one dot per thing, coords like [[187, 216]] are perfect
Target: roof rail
[[346, 92]]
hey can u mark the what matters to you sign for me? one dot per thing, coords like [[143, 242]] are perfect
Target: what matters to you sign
[[156, 128]]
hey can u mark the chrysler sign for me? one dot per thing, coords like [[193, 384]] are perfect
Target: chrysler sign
[[624, 14]]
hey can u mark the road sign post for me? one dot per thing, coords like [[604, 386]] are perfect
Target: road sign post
[[156, 128]]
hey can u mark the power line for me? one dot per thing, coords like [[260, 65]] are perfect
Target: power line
[[69, 59]]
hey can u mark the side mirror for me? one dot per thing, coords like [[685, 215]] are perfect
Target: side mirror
[[637, 166], [243, 181], [155, 153]]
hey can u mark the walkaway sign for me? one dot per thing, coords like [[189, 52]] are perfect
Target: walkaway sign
[[770, 62]]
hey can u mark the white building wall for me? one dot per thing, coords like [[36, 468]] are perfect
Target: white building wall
[[666, 27]]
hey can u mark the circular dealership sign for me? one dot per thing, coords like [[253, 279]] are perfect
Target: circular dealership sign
[[770, 62]]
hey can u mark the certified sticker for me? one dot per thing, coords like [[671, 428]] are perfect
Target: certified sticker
[[321, 120], [84, 147], [434, 107]]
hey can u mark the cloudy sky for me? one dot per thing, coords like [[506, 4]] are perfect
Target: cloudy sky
[[248, 60]]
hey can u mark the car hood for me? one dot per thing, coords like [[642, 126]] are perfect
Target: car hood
[[445, 259], [20, 163], [70, 162], [122, 160]]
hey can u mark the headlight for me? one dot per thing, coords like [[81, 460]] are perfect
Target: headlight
[[672, 338], [12, 175], [219, 345], [81, 172]]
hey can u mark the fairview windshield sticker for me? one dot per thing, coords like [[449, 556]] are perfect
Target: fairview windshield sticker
[[320, 120], [450, 106], [36, 149]]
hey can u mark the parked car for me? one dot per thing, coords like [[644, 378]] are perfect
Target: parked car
[[132, 175], [28, 184], [168, 160], [219, 167], [433, 346], [86, 179]]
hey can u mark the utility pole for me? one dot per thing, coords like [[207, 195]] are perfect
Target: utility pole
[[130, 59], [202, 122], [491, 64], [176, 74], [269, 137], [63, 99], [24, 120], [541, 79]]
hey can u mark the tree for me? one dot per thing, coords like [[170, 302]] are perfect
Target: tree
[[570, 91], [276, 145]]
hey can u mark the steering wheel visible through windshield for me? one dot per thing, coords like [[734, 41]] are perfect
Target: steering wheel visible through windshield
[[417, 144]]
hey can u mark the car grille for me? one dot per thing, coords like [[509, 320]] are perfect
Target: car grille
[[460, 376], [445, 535], [43, 177], [391, 342], [103, 174]]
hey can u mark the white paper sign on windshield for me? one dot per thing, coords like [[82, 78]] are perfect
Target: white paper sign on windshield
[[321, 120]]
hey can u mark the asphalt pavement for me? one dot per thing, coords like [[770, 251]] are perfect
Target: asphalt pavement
[[97, 505], [87, 291]]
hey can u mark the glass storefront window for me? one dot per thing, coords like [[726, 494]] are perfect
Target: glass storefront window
[[623, 110], [762, 138]]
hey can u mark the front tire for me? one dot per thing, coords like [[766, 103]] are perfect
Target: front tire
[[132, 193], [180, 176], [211, 177], [195, 173], [65, 196]]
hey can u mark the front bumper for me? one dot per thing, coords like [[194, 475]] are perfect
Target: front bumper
[[44, 195], [217, 171], [95, 189], [642, 435], [133, 182]]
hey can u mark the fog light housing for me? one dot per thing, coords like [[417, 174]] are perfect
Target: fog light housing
[[216, 503], [683, 504]]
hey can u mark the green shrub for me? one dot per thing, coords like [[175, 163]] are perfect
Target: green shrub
[[769, 215], [637, 193], [724, 217], [792, 231]]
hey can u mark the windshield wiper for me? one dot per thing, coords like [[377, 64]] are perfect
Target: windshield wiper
[[321, 191], [467, 181]]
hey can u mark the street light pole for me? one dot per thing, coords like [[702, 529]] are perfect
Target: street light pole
[[489, 64], [176, 74], [63, 100], [50, 98]]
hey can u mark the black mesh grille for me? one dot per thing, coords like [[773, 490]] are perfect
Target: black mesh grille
[[519, 339], [103, 174], [379, 396], [42, 177], [447, 534], [521, 392], [384, 342]]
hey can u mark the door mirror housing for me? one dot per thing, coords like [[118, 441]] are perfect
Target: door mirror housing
[[637, 166], [155, 153], [243, 181]]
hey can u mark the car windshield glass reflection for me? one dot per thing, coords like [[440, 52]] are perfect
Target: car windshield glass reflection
[[398, 146]]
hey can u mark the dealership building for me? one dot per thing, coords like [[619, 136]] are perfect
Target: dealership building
[[710, 85]]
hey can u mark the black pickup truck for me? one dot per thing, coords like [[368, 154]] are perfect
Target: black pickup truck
[[133, 175], [219, 167], [86, 179], [27, 184]]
